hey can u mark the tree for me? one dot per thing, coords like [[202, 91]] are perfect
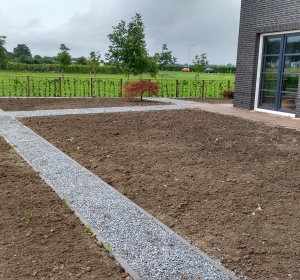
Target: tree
[[48, 60], [165, 57], [81, 60], [22, 50], [23, 58], [138, 88], [200, 62], [37, 59], [151, 67], [63, 58], [128, 48], [93, 60], [3, 56], [9, 55]]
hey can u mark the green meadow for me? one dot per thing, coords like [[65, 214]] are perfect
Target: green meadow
[[165, 75]]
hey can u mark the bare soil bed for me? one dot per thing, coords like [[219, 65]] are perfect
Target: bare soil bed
[[40, 238], [228, 185], [31, 104]]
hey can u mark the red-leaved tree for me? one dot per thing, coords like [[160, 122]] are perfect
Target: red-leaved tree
[[139, 88]]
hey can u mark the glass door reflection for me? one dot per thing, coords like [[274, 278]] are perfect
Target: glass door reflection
[[290, 75], [270, 70], [280, 72]]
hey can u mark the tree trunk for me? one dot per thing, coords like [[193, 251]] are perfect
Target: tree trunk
[[63, 74]]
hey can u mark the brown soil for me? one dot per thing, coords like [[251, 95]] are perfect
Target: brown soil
[[229, 185], [31, 104], [40, 238]]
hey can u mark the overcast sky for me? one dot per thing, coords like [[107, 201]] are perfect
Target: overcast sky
[[211, 26]]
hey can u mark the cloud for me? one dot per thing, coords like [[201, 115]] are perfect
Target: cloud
[[83, 25], [34, 23]]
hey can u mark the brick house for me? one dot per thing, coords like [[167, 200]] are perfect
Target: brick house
[[268, 59]]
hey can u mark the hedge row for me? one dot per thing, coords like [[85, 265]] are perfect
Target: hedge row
[[73, 68], [218, 69], [85, 69]]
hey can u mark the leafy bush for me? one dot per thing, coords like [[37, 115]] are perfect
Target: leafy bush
[[73, 68], [138, 88], [107, 69], [228, 93], [223, 69]]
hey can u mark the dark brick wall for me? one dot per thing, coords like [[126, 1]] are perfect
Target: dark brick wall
[[257, 17]]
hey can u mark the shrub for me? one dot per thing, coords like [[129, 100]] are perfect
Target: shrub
[[228, 93], [73, 68], [138, 88]]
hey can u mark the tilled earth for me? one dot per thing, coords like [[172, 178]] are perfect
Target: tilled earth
[[40, 237], [228, 185], [31, 104]]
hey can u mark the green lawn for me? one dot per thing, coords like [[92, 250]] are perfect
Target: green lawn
[[169, 75], [192, 76]]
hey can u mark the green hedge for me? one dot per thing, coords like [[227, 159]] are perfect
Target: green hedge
[[85, 69], [73, 68], [218, 69], [223, 69]]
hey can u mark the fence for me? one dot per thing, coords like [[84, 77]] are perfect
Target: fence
[[22, 86]]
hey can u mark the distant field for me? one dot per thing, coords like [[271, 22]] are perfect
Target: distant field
[[193, 76], [165, 75]]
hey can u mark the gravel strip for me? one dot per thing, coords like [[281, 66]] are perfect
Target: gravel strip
[[177, 105], [151, 249]]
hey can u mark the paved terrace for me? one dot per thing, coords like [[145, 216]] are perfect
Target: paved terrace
[[145, 247]]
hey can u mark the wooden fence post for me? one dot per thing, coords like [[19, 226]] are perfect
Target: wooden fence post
[[177, 89], [121, 85], [228, 84], [203, 84], [28, 86], [59, 82], [91, 87]]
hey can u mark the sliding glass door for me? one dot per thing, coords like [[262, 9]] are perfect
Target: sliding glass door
[[280, 72]]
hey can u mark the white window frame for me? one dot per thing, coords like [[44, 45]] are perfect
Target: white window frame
[[256, 100]]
